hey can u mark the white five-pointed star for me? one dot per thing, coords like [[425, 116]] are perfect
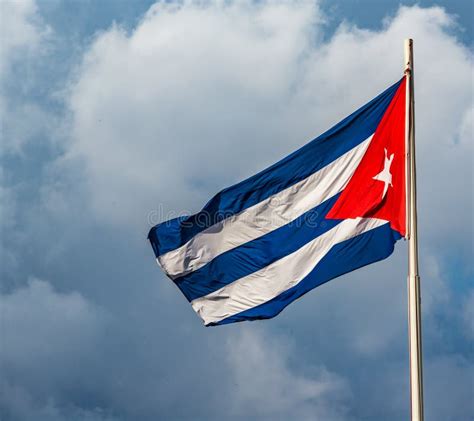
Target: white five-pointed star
[[385, 176]]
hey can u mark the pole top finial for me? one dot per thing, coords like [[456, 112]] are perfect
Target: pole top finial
[[408, 55]]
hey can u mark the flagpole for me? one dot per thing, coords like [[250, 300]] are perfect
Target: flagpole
[[414, 299]]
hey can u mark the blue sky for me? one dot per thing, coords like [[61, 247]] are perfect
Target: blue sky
[[116, 115]]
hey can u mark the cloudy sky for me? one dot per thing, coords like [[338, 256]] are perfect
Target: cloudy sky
[[119, 114]]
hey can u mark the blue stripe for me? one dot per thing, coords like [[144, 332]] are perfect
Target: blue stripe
[[370, 247], [256, 254], [315, 155]]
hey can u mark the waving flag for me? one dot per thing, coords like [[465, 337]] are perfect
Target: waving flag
[[334, 205]]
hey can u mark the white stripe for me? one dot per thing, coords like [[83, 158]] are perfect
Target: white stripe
[[269, 282], [265, 216]]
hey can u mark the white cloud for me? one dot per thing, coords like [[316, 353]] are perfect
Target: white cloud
[[189, 102], [265, 387], [18, 29], [35, 309], [47, 339], [23, 37]]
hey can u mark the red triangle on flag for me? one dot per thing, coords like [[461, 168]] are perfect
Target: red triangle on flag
[[377, 187]]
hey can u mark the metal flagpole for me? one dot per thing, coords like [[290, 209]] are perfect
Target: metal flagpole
[[414, 299]]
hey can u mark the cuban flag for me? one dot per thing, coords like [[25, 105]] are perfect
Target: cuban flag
[[333, 206]]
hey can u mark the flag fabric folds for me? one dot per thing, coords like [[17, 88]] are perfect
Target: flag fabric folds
[[334, 205]]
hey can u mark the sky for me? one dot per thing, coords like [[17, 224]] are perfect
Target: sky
[[117, 115]]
